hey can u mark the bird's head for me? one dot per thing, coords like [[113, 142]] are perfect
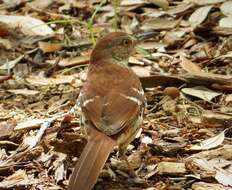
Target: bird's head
[[116, 47]]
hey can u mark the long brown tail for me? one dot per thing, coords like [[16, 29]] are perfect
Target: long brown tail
[[91, 162]]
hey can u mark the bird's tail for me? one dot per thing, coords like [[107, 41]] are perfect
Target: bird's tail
[[91, 161]]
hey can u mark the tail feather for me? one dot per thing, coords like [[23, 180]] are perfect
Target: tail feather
[[91, 162]]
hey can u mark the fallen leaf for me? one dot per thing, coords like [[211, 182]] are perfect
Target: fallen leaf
[[227, 55], [193, 69], [24, 92], [210, 143], [47, 47], [40, 81], [5, 43], [189, 66], [159, 24], [19, 174], [29, 124], [59, 167], [6, 184], [224, 177], [38, 4], [135, 61], [11, 64], [208, 186], [141, 71], [171, 168], [6, 129], [226, 22], [222, 31], [179, 8], [132, 2], [146, 140], [28, 25], [199, 15], [203, 164], [201, 92], [228, 98], [205, 2], [226, 8], [73, 61], [216, 118], [223, 152], [160, 3]]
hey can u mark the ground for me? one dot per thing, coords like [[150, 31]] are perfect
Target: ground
[[186, 71]]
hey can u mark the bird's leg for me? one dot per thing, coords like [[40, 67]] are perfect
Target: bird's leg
[[122, 155]]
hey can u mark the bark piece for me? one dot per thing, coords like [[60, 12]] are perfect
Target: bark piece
[[171, 168]]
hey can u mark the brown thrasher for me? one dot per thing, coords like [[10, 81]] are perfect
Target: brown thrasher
[[112, 102]]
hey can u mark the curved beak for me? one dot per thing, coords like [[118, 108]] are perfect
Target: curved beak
[[140, 37]]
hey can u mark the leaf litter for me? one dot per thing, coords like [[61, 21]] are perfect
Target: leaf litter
[[186, 72]]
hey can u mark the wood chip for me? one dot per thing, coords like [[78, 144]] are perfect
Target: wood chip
[[171, 168]]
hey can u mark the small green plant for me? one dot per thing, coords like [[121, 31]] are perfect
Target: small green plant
[[116, 5], [91, 20]]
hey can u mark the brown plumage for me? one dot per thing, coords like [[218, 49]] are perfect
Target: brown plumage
[[112, 103]]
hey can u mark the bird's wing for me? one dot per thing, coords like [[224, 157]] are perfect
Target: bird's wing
[[115, 110]]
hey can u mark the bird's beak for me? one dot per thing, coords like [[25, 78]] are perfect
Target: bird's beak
[[140, 37]]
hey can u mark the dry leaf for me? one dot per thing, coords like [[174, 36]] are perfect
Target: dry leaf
[[189, 66], [203, 164], [193, 69], [5, 43], [24, 92], [224, 177], [11, 64], [19, 178], [50, 47], [28, 25], [224, 152], [132, 2], [199, 15], [226, 8], [30, 123], [141, 71], [210, 143], [226, 22], [204, 2], [135, 61], [179, 8], [146, 140], [216, 118], [208, 186], [160, 3], [227, 55], [38, 4], [6, 129], [170, 168], [19, 174], [70, 62], [40, 81], [6, 184], [201, 92], [159, 24], [59, 166]]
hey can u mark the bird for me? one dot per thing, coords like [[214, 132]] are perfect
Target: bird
[[112, 103]]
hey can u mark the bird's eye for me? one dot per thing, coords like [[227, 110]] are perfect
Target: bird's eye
[[126, 42]]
